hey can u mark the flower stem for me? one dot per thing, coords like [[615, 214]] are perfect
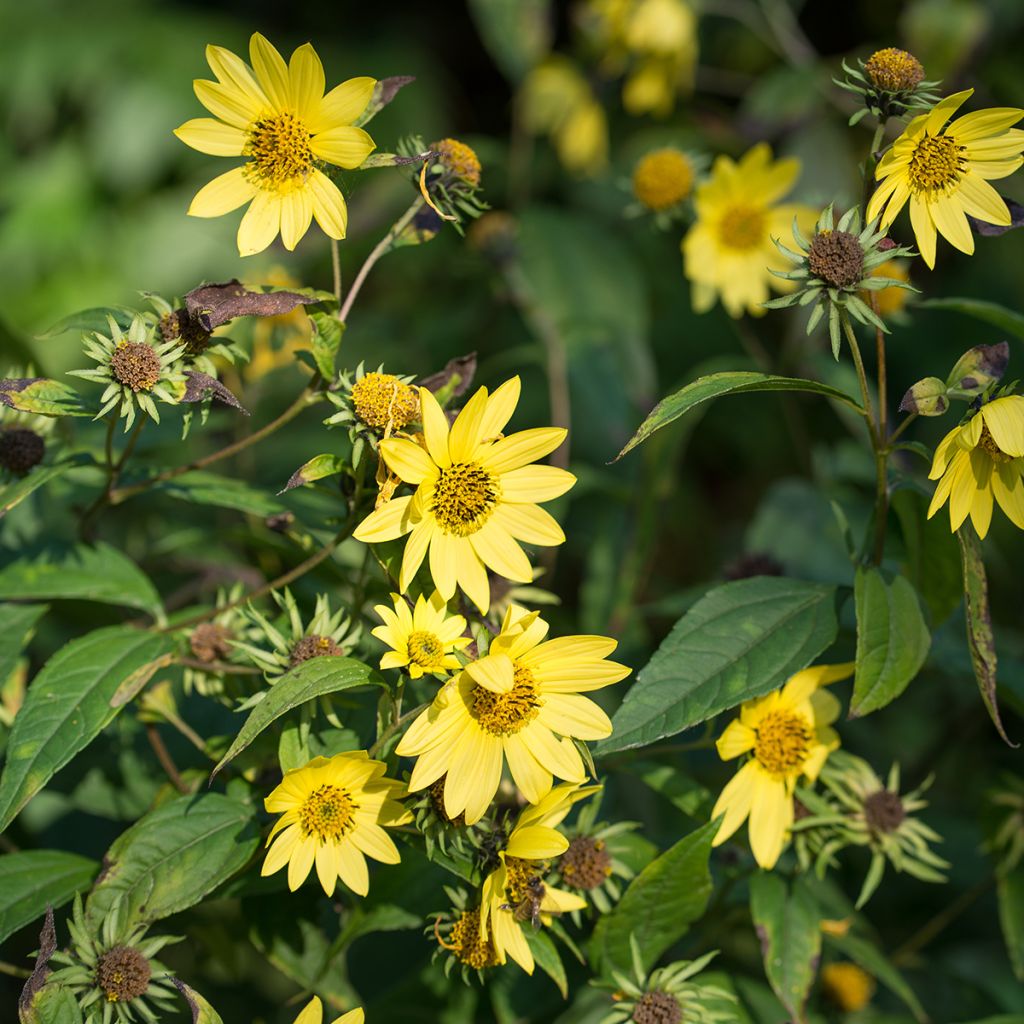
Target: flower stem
[[336, 268], [899, 430], [393, 728], [869, 167]]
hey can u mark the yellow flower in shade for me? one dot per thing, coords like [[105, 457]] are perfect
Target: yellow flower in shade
[[892, 299], [476, 495], [515, 893], [982, 460], [277, 116], [313, 1013], [662, 178], [332, 813], [422, 640], [788, 732], [663, 36], [847, 986], [521, 703], [730, 249], [944, 171]]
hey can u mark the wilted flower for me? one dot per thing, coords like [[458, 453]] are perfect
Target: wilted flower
[[890, 83], [458, 932]]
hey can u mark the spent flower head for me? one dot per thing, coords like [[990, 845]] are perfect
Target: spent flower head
[[461, 940], [890, 83]]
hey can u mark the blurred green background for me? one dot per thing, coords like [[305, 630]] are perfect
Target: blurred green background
[[93, 193]]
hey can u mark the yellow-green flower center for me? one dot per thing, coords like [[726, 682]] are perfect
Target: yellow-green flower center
[[894, 70], [742, 228], [463, 498], [281, 159], [988, 443], [381, 398], [662, 178], [504, 714], [426, 650], [937, 163], [783, 742], [327, 813]]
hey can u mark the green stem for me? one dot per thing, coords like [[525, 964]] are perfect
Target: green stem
[[336, 268], [899, 430], [393, 728], [862, 377]]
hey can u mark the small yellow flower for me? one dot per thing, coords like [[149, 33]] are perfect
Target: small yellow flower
[[788, 732], [847, 986], [381, 400], [332, 812], [731, 247], [662, 35], [890, 300], [944, 171], [277, 116], [523, 703], [313, 1013], [894, 70], [662, 178], [422, 640], [982, 460], [476, 495]]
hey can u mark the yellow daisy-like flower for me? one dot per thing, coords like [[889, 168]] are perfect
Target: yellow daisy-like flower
[[515, 893], [521, 703], [788, 732], [944, 171], [313, 1013], [277, 115], [982, 460], [476, 495], [332, 812], [422, 640], [730, 249], [890, 300]]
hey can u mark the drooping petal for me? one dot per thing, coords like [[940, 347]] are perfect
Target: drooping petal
[[532, 778], [444, 549], [734, 802], [1008, 489], [981, 200], [416, 548], [501, 553], [301, 862], [951, 221], [771, 815], [924, 230]]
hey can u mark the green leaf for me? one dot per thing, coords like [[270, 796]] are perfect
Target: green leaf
[[739, 641], [788, 924], [680, 789], [201, 488], [16, 624], [660, 903], [325, 341], [18, 490], [546, 956], [316, 468], [732, 383], [980, 639], [932, 560], [43, 397], [202, 1012], [892, 640], [1010, 893], [53, 1004], [86, 320], [311, 679], [67, 705], [98, 573], [877, 964], [516, 33], [987, 312], [31, 880], [172, 857]]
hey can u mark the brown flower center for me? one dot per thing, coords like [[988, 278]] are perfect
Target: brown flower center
[[894, 70], [742, 228], [327, 813], [278, 146], [937, 163], [503, 714], [463, 498], [20, 449], [210, 641], [135, 365], [657, 1007], [884, 811], [837, 258], [458, 159], [313, 646], [586, 864], [122, 973], [783, 742]]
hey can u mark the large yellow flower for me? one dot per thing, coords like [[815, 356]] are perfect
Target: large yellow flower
[[515, 892], [422, 640], [313, 1013], [277, 115], [788, 732], [944, 170], [521, 703], [332, 813], [475, 497], [731, 248], [982, 460]]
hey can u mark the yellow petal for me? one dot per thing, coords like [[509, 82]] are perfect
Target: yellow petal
[[944, 110], [771, 815], [827, 707], [1008, 489], [981, 506], [435, 428], [376, 843], [962, 492], [352, 868], [388, 522], [924, 230], [343, 104], [271, 70], [734, 802], [528, 523], [232, 71], [228, 103], [943, 453], [501, 553], [981, 123], [494, 672], [312, 1012], [573, 715], [951, 221], [327, 868], [408, 460], [535, 484], [560, 757], [329, 207], [356, 1016], [500, 406], [443, 566], [345, 146], [260, 224], [472, 578], [532, 778], [535, 842], [211, 136], [415, 551], [1005, 420], [737, 739], [522, 447], [296, 214], [802, 684], [306, 82], [465, 436], [225, 193], [981, 200], [301, 862]]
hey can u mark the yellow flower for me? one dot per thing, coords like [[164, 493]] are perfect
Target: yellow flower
[[332, 811], [788, 732], [422, 640], [476, 495], [662, 178], [982, 460], [663, 34], [944, 170], [277, 115], [523, 704], [847, 986], [730, 248], [892, 299], [313, 1013], [515, 893]]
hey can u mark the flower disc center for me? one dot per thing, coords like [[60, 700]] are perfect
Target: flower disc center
[[504, 714], [327, 813], [463, 498], [135, 365], [425, 649], [936, 164], [742, 228], [988, 443], [783, 742], [279, 147]]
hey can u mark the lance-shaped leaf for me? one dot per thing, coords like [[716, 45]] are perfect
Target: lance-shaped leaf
[[375, 160], [67, 705], [384, 92], [978, 368], [988, 312], [32, 880], [314, 678], [545, 954], [201, 386], [87, 320], [927, 398], [317, 468], [980, 639], [211, 305], [892, 640], [659, 905], [1010, 894], [788, 924], [739, 641], [202, 1012], [31, 994], [731, 383], [172, 857], [19, 489], [325, 341], [17, 622], [41, 396]]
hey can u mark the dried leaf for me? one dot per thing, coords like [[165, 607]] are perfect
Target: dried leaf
[[201, 386], [454, 380], [47, 947], [927, 398], [383, 93], [982, 227], [211, 305], [979, 367]]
